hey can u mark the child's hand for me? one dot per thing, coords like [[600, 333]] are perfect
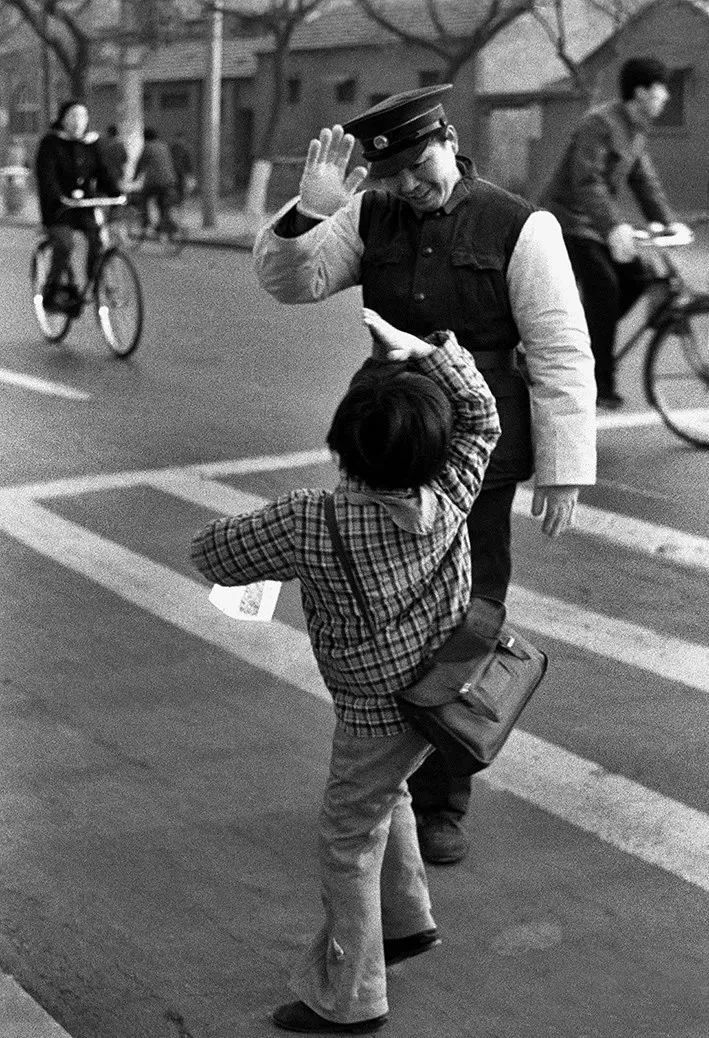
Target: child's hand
[[390, 343]]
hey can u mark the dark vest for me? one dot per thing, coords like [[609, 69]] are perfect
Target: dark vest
[[445, 269], [448, 270]]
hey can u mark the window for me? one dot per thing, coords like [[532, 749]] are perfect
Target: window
[[673, 113], [429, 77], [174, 99], [294, 90], [346, 91]]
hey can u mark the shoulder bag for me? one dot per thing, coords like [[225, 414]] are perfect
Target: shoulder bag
[[476, 684]]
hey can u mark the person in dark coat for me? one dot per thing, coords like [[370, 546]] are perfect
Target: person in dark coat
[[156, 167], [69, 165], [184, 167], [114, 153]]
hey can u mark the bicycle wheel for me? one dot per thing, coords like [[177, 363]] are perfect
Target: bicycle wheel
[[119, 302], [53, 326], [132, 222], [677, 374]]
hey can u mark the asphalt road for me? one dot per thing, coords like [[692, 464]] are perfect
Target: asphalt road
[[162, 766]]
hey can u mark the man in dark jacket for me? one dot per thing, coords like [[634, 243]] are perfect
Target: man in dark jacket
[[114, 153], [155, 167], [607, 149], [69, 165]]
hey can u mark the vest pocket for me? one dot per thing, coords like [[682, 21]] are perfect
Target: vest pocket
[[479, 279]]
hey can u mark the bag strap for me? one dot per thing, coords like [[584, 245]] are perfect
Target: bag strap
[[340, 552]]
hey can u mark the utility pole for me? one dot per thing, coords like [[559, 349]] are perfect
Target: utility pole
[[211, 115]]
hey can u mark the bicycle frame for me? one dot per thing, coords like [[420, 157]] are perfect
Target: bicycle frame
[[665, 309]]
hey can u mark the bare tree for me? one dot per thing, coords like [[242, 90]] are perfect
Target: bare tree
[[551, 15], [278, 19], [60, 25], [456, 48]]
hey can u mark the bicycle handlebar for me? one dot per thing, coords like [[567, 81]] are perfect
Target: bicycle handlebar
[[93, 203], [664, 238]]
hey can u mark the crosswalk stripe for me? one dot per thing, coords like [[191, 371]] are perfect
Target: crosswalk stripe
[[654, 828], [674, 546], [628, 643], [21, 1016], [631, 644], [664, 542], [42, 385]]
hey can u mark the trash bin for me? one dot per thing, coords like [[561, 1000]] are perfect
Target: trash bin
[[14, 188]]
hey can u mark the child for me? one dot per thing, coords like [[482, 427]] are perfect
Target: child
[[413, 435]]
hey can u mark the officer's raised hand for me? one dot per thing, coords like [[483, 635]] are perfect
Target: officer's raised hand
[[325, 186]]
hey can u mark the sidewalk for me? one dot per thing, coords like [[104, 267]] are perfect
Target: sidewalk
[[235, 229]]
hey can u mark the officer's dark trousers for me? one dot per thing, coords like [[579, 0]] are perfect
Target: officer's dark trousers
[[433, 790], [608, 291]]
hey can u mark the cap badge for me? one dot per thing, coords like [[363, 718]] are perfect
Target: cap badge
[[380, 142]]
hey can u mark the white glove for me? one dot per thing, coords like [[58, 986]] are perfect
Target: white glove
[[324, 188], [622, 244]]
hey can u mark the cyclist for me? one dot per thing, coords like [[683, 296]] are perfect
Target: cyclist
[[69, 165], [607, 148], [156, 168]]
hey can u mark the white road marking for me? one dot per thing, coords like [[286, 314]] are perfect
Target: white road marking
[[638, 419], [679, 548], [664, 542], [21, 1016], [41, 385], [652, 827]]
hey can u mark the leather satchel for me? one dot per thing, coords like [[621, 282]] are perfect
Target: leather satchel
[[476, 684]]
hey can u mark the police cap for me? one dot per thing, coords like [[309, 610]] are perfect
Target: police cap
[[395, 132]]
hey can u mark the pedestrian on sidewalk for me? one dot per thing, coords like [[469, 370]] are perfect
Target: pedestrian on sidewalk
[[435, 246], [413, 435]]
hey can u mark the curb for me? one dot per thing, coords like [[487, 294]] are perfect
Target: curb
[[241, 243]]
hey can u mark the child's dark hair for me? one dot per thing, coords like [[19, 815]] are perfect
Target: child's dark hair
[[641, 72], [392, 428]]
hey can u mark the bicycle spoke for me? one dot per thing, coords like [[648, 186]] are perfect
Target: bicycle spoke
[[53, 325], [678, 378], [119, 304]]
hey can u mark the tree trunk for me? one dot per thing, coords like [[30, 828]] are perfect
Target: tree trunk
[[263, 164], [130, 112]]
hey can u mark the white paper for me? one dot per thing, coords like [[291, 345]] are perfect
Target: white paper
[[247, 602]]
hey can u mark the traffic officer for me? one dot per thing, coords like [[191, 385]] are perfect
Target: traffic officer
[[434, 246]]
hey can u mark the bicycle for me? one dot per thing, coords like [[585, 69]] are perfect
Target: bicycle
[[114, 287], [138, 229], [676, 365]]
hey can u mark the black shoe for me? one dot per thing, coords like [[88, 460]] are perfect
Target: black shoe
[[397, 949], [609, 400], [442, 840], [64, 299], [296, 1016]]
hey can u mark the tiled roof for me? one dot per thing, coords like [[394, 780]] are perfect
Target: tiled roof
[[342, 23], [188, 60]]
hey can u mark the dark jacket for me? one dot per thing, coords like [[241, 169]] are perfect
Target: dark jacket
[[607, 150], [156, 164], [63, 165], [115, 156]]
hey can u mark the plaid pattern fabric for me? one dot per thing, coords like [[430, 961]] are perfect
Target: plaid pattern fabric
[[416, 585]]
